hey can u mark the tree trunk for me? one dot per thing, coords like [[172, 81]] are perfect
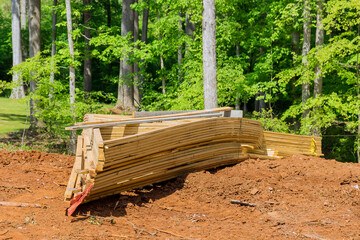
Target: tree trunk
[[295, 38], [180, 56], [257, 107], [108, 12], [144, 40], [162, 74], [161, 63], [190, 28], [53, 48], [319, 41], [18, 89], [125, 83], [34, 48], [87, 52], [209, 54], [137, 99], [305, 50], [23, 6], [262, 102], [72, 147], [23, 14], [238, 97]]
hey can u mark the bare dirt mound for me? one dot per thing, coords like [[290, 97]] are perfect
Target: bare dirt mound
[[295, 198]]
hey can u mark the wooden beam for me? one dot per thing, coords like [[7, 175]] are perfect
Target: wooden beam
[[156, 113], [110, 124], [91, 117]]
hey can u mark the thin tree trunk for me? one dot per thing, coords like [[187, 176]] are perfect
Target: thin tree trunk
[[162, 74], [23, 13], [34, 49], [262, 102], [53, 48], [18, 89], [127, 25], [23, 6], [237, 100], [319, 41], [305, 51], [137, 99], [161, 62], [209, 54], [190, 28], [108, 12], [180, 56], [87, 53], [144, 40], [257, 105], [72, 147]]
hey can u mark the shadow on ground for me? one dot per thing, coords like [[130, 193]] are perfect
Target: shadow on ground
[[12, 117], [116, 205]]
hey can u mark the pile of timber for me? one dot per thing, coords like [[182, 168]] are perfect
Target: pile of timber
[[119, 153]]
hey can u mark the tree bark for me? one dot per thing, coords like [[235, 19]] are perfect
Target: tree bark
[[34, 48], [319, 41], [23, 14], [23, 6], [144, 40], [72, 147], [137, 99], [162, 74], [53, 47], [108, 12], [87, 57], [190, 28], [262, 102], [180, 55], [125, 83], [18, 89], [161, 63], [305, 50], [237, 100], [209, 54]]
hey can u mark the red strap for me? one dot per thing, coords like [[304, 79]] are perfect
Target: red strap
[[77, 200]]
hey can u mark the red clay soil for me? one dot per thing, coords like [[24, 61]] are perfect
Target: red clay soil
[[295, 198]]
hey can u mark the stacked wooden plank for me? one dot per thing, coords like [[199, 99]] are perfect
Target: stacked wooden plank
[[286, 144], [113, 156]]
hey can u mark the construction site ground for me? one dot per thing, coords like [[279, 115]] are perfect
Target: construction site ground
[[297, 197]]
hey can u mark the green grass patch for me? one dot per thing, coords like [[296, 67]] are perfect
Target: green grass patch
[[12, 115]]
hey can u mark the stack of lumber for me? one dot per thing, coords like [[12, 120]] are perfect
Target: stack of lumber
[[286, 144], [117, 153]]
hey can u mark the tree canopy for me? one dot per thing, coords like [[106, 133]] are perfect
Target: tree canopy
[[261, 67]]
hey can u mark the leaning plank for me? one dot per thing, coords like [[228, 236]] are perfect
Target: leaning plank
[[201, 112], [156, 113], [99, 125], [77, 165]]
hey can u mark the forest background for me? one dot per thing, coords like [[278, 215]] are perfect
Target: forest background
[[291, 64]]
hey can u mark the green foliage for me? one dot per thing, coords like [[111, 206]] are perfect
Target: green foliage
[[271, 123], [55, 112]]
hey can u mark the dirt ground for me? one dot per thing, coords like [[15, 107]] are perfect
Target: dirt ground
[[295, 198]]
